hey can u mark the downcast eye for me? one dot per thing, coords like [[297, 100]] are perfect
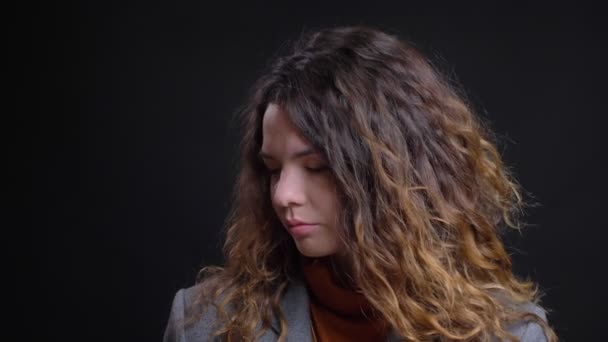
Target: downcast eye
[[317, 169]]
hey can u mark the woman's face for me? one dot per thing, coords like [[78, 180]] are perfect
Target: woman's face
[[302, 190]]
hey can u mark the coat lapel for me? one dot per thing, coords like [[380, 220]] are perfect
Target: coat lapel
[[295, 307]]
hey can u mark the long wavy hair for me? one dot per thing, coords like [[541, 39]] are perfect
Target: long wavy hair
[[424, 195]]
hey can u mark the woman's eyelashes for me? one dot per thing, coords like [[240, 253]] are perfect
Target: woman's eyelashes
[[317, 169], [312, 169]]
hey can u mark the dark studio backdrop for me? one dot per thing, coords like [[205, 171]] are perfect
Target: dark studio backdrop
[[133, 152]]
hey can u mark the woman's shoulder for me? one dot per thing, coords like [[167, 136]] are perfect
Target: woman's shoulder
[[528, 330], [178, 326]]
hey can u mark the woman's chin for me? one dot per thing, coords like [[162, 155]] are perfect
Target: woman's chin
[[313, 251]]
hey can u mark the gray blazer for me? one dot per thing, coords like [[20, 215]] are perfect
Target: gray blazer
[[295, 307]]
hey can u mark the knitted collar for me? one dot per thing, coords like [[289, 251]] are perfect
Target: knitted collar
[[325, 290]]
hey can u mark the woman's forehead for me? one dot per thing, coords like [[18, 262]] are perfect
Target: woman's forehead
[[276, 119], [279, 133]]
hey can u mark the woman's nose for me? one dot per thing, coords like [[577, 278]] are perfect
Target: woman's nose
[[289, 189]]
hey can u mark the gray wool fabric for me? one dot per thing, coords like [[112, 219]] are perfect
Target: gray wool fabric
[[295, 307]]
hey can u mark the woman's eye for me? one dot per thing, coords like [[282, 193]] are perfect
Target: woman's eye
[[317, 169], [276, 172]]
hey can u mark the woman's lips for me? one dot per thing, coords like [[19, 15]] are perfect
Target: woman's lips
[[301, 230]]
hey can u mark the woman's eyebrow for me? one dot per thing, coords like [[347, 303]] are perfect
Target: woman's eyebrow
[[299, 154]]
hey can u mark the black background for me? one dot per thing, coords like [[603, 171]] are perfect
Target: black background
[[133, 152]]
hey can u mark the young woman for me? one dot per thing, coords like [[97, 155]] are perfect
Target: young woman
[[367, 208]]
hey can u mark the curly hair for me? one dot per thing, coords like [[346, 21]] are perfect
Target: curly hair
[[424, 195]]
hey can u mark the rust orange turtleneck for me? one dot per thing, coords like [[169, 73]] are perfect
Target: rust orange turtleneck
[[338, 314]]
